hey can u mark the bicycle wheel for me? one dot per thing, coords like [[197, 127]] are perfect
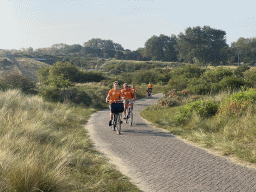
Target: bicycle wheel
[[118, 124], [114, 123], [130, 117], [127, 115]]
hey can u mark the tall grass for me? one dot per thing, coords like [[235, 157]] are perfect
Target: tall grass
[[43, 147]]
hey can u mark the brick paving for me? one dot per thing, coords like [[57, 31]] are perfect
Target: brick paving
[[156, 160]]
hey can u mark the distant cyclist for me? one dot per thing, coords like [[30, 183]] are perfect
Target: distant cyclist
[[113, 96], [150, 87], [134, 92], [127, 95]]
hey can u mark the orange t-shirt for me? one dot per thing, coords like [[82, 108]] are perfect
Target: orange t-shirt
[[150, 86], [133, 88], [128, 94], [114, 95]]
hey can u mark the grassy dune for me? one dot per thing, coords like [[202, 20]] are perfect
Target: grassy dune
[[44, 147]]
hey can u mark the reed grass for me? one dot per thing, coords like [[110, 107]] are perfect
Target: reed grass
[[44, 147]]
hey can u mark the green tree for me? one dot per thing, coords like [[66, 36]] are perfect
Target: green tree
[[59, 75], [203, 44], [119, 55], [100, 43], [161, 48], [244, 50]]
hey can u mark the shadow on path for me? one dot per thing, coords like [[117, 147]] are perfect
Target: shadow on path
[[146, 133]]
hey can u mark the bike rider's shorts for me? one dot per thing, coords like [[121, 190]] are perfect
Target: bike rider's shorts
[[126, 101], [150, 90]]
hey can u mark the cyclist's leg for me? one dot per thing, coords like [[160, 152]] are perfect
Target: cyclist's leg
[[131, 103], [125, 107], [118, 123], [111, 116]]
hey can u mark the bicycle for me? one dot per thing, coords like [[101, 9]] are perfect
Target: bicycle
[[149, 93], [129, 112], [117, 109]]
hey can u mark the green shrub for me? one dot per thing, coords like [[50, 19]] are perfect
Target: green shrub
[[199, 86], [204, 109], [51, 94], [250, 78], [239, 70], [18, 81], [216, 75], [208, 109], [231, 82], [73, 95], [183, 114], [70, 95], [89, 76], [249, 95], [237, 103]]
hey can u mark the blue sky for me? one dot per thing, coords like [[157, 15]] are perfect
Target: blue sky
[[42, 23]]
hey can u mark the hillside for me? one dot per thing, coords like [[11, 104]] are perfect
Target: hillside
[[25, 65]]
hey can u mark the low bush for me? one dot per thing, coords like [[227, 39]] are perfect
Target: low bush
[[231, 82], [49, 93], [70, 95], [204, 109], [237, 103], [18, 81], [73, 95]]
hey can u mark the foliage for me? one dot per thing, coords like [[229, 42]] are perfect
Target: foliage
[[231, 83], [243, 50], [205, 81], [205, 44], [18, 81], [161, 48], [74, 95], [89, 76], [49, 93], [64, 75], [250, 78], [204, 109], [240, 69], [180, 77], [70, 95], [216, 75], [141, 76]]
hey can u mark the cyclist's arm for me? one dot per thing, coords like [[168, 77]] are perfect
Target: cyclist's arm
[[107, 98]]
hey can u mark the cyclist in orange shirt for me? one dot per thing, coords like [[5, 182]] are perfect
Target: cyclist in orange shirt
[[150, 87], [127, 95], [134, 91], [113, 96]]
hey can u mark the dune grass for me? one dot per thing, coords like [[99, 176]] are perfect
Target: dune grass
[[44, 147]]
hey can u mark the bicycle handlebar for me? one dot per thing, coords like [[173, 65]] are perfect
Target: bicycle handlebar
[[115, 101]]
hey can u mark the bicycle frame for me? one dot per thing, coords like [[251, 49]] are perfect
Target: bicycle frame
[[129, 113], [116, 125], [116, 122], [149, 94]]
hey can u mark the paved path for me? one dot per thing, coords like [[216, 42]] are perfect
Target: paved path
[[158, 161]]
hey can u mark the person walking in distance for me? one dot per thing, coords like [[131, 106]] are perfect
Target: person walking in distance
[[114, 95]]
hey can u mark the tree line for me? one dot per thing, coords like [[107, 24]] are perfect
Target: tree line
[[204, 45]]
